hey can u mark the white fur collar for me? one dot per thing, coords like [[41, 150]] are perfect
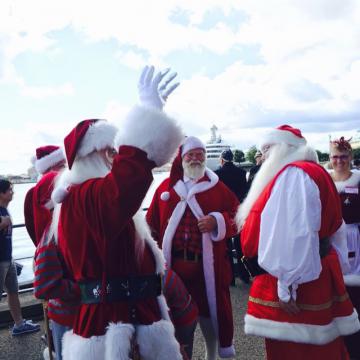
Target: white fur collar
[[199, 187], [353, 180]]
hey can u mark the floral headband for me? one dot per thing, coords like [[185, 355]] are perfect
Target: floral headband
[[342, 144]]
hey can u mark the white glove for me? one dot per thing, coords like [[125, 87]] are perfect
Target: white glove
[[151, 92]]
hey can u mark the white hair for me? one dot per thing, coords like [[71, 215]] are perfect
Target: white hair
[[279, 155]]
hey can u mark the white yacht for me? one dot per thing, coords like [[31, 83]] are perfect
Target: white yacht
[[214, 147]]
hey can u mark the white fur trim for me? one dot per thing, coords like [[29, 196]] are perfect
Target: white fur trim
[[302, 333], [99, 136], [353, 180], [157, 341], [48, 161], [46, 354], [165, 196], [49, 204], [352, 280], [227, 352], [143, 232], [188, 198], [277, 136], [118, 341], [164, 309], [221, 227], [76, 347], [152, 131], [59, 194]]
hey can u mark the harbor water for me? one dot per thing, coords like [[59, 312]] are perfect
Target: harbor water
[[23, 248]]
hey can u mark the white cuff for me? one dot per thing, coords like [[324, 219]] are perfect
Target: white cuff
[[219, 234], [283, 292], [152, 131]]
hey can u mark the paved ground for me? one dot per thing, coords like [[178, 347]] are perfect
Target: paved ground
[[247, 348]]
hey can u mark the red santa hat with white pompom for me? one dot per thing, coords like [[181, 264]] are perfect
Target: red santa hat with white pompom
[[87, 136], [47, 157], [284, 134]]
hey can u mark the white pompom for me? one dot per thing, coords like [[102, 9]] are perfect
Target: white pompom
[[165, 196], [59, 194]]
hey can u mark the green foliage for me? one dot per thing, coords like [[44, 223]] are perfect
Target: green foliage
[[239, 156], [250, 155], [356, 153], [322, 156]]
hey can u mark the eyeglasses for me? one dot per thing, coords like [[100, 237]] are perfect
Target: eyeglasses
[[198, 155], [339, 157]]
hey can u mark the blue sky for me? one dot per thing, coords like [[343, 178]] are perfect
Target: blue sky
[[245, 66]]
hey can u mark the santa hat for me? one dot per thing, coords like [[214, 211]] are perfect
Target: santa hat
[[191, 143], [88, 136], [47, 157], [284, 134]]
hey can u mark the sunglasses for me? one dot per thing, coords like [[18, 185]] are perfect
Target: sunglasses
[[339, 157]]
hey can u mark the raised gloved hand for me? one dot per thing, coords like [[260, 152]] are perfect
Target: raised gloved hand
[[153, 91]]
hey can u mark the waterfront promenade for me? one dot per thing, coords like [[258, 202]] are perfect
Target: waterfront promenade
[[30, 347]]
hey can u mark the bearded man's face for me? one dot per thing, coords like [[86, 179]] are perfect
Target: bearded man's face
[[194, 163]]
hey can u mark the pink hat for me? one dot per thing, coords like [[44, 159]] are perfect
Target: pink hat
[[284, 134], [88, 136], [47, 157], [191, 143]]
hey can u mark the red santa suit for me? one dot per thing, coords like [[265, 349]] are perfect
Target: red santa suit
[[98, 234], [38, 204], [290, 224], [349, 191], [208, 196]]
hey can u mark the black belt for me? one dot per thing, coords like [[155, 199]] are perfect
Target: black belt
[[252, 266], [130, 289], [254, 269], [187, 255]]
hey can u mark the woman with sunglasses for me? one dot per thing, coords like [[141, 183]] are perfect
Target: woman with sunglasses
[[347, 182]]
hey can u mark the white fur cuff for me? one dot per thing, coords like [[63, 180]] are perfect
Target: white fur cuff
[[352, 280], [152, 131], [221, 227], [118, 341], [227, 352]]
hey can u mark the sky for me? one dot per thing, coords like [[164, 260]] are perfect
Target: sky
[[245, 66]]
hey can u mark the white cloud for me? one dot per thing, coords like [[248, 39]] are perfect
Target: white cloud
[[310, 73], [131, 59]]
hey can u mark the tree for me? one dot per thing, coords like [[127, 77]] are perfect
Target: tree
[[356, 153], [250, 155], [322, 156], [239, 156]]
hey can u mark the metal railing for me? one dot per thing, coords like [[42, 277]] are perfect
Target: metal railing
[[25, 288]]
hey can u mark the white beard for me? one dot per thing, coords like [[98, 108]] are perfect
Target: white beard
[[280, 155], [193, 169]]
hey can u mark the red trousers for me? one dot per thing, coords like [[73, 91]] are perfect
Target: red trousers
[[286, 350]]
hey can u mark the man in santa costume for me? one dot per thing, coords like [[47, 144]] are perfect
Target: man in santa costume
[[191, 216], [49, 160], [293, 240], [106, 244]]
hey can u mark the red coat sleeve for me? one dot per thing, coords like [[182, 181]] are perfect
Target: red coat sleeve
[[29, 215]]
